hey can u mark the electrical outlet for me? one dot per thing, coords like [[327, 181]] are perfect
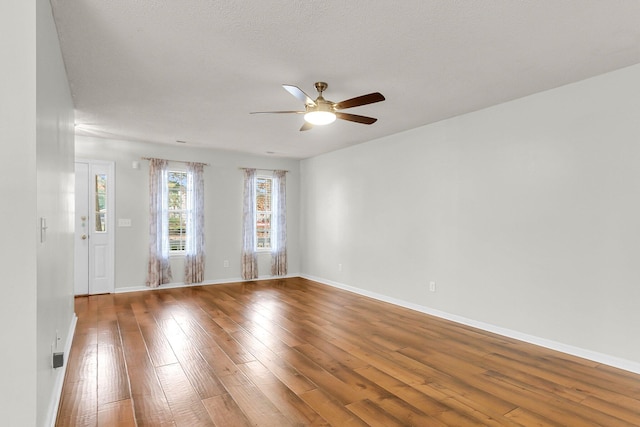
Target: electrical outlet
[[432, 286], [339, 267], [225, 263]]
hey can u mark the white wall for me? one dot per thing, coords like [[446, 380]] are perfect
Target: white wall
[[527, 216], [36, 128], [55, 183], [18, 134], [223, 207]]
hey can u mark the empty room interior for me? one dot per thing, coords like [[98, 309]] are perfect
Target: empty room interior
[[298, 212]]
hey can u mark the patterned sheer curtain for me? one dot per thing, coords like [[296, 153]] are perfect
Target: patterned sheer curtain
[[249, 258], [279, 224], [194, 247], [159, 268]]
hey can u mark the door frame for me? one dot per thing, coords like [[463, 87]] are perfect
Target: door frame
[[110, 224]]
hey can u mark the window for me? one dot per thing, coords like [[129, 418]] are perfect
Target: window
[[177, 186], [263, 212], [101, 203]]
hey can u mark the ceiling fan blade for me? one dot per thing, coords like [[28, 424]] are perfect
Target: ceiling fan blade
[[298, 93], [277, 112], [356, 118], [369, 98], [306, 126]]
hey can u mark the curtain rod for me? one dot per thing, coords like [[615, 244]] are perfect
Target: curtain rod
[[263, 169], [177, 161]]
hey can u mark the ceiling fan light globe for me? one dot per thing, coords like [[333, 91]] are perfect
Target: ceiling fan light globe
[[320, 118]]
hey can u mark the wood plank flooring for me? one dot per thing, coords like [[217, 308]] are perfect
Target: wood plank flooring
[[292, 352]]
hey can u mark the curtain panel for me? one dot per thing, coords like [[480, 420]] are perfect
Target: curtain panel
[[159, 268], [249, 258], [279, 224], [195, 243]]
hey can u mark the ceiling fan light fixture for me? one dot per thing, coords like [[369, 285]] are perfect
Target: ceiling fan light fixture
[[320, 118]]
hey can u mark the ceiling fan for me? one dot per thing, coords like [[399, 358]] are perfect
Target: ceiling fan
[[322, 112]]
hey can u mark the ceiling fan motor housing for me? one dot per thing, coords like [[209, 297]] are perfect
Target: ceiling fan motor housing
[[321, 105]]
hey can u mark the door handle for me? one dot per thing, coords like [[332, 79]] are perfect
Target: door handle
[[84, 237]]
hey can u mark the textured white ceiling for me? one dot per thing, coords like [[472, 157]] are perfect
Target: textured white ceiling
[[192, 70]]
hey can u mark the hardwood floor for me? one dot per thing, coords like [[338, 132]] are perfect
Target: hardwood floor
[[294, 352]]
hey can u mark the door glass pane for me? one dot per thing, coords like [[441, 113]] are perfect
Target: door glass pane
[[101, 203]]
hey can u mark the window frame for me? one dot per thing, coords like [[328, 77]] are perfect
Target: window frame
[[184, 211], [258, 212]]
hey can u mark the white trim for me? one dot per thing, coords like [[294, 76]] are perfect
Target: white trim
[[56, 394], [595, 356], [207, 283]]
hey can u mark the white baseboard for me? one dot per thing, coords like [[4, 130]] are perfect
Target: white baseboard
[[605, 359], [60, 374], [206, 283]]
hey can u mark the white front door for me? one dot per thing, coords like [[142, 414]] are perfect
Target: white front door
[[94, 242]]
